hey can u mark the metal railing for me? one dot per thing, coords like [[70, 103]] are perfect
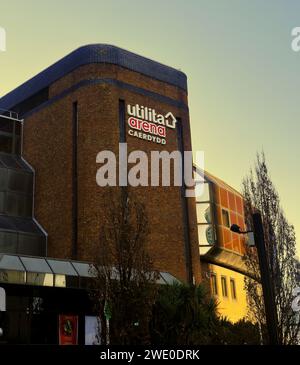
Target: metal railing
[[9, 114]]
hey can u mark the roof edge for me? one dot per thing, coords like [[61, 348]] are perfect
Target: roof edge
[[89, 54]]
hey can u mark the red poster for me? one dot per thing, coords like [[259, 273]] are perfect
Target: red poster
[[68, 330]]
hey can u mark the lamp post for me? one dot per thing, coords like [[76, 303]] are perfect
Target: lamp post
[[266, 282]]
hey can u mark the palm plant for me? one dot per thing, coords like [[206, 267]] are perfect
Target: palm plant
[[183, 315]]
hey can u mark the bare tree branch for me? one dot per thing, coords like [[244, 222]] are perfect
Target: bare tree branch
[[260, 194]]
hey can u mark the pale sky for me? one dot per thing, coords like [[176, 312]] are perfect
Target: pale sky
[[243, 76]]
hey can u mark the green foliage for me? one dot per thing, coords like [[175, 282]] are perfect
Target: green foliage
[[179, 313], [185, 315], [142, 312], [239, 333]]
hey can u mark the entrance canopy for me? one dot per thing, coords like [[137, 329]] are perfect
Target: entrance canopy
[[42, 271]]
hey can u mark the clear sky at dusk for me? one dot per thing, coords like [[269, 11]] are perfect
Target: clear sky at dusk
[[243, 77]]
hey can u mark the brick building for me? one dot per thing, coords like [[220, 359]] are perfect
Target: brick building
[[51, 207], [78, 107]]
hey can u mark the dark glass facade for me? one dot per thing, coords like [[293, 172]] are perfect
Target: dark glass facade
[[19, 232]]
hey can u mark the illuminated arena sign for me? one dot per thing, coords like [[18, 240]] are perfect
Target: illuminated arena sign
[[145, 123]]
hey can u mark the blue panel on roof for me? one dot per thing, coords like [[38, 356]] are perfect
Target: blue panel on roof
[[97, 53]]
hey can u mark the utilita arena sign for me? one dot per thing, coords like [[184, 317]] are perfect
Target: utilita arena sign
[[146, 124]]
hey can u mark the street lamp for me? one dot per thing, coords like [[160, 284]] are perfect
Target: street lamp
[[236, 229], [266, 282]]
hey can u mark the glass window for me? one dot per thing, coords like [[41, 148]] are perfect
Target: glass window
[[6, 143], [22, 164], [9, 262], [206, 234], [35, 264], [13, 204], [160, 280], [203, 212], [11, 270], [225, 218], [18, 204], [41, 279], [60, 280], [9, 242], [62, 267], [10, 161], [3, 179], [18, 128], [25, 225], [17, 145], [233, 288], [12, 277], [168, 278], [214, 284], [6, 125], [31, 244], [205, 216], [224, 286], [8, 130], [6, 222], [205, 196], [20, 181], [66, 281], [83, 269], [2, 202], [38, 272]]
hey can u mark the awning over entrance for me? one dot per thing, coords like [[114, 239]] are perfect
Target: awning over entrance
[[42, 271]]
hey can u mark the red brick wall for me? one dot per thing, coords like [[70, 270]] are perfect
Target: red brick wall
[[48, 147]]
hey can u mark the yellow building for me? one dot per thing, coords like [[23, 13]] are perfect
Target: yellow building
[[221, 250], [227, 286]]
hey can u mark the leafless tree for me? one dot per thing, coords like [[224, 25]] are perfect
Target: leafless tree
[[125, 277], [260, 194]]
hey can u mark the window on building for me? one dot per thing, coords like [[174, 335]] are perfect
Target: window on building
[[233, 288], [206, 235], [203, 213], [10, 131], [5, 143], [214, 284], [205, 217], [225, 218], [224, 286], [206, 195]]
